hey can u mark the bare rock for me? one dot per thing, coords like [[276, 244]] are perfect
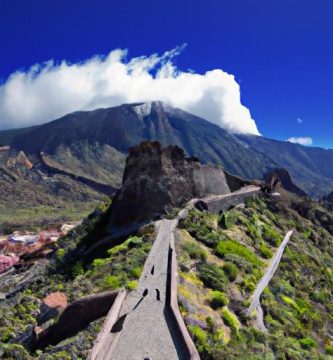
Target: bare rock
[[157, 179]]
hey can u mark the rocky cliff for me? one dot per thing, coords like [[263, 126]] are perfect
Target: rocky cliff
[[280, 179], [157, 179]]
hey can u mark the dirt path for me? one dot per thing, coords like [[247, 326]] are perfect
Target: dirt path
[[255, 298]]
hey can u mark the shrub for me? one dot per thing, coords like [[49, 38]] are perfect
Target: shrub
[[111, 282], [230, 319], [78, 269], [231, 271], [132, 285], [195, 251], [228, 219], [307, 343], [200, 338], [136, 272], [329, 349], [265, 252], [271, 236], [219, 299], [213, 277], [252, 231], [226, 247]]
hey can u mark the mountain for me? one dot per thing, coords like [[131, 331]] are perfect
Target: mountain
[[310, 167], [87, 142], [94, 144]]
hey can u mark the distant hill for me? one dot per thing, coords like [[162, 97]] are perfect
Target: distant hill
[[310, 167], [94, 144], [8, 136]]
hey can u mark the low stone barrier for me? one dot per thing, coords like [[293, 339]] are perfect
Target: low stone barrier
[[110, 320], [76, 317], [216, 204], [192, 352]]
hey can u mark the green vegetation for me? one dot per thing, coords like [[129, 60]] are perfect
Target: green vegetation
[[231, 271], [213, 276], [76, 276], [219, 299], [297, 304], [195, 251], [230, 319], [228, 247]]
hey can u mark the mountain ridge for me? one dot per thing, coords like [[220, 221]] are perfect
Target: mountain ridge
[[86, 142]]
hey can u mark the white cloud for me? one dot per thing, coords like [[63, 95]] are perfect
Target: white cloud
[[301, 140], [299, 120], [47, 91]]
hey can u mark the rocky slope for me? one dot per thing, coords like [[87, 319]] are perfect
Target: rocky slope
[[30, 195]]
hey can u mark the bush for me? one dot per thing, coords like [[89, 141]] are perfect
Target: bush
[[228, 219], [307, 343], [226, 247], [271, 236], [200, 338], [266, 252], [195, 251], [230, 319], [78, 269], [219, 299], [231, 271], [111, 282], [329, 349], [213, 277], [132, 285]]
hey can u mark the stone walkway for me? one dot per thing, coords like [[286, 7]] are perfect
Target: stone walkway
[[147, 328]]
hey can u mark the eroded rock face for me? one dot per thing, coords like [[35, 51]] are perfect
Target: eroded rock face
[[281, 179], [157, 179], [327, 201]]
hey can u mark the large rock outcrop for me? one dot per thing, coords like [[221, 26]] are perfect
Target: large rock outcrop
[[157, 179], [280, 179], [328, 201]]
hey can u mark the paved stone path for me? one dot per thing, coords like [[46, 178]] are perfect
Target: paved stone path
[[255, 298], [148, 330]]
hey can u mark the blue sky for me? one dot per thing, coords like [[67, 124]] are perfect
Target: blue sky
[[280, 51]]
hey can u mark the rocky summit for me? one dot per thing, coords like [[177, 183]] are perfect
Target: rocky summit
[[157, 179]]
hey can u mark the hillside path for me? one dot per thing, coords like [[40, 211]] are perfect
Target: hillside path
[[148, 330], [255, 298]]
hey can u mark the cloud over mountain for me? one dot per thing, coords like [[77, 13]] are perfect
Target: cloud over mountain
[[301, 140], [49, 90]]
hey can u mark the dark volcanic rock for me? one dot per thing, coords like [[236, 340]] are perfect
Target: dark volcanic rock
[[280, 178], [327, 201], [157, 179]]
